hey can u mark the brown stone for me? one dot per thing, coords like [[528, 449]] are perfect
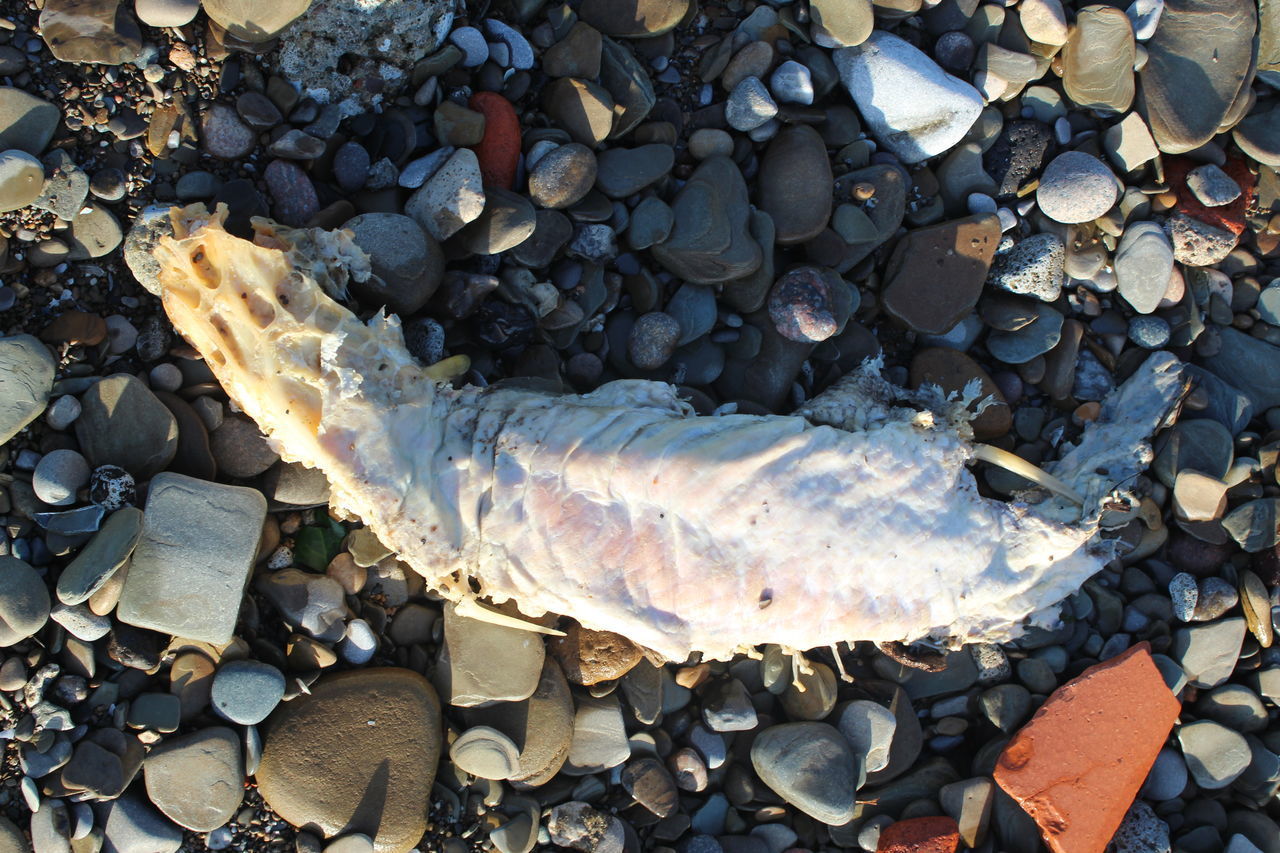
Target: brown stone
[[920, 835], [952, 370], [1098, 59], [581, 107], [75, 327], [935, 275], [634, 18], [540, 726], [796, 184], [1077, 766], [356, 755], [590, 657]]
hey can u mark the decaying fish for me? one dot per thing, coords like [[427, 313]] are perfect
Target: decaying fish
[[856, 519]]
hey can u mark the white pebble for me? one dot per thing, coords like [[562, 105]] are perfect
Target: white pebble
[[1008, 219], [83, 820], [81, 622], [358, 646], [991, 86], [475, 50], [1145, 17], [30, 793], [166, 377], [1062, 130], [281, 558], [252, 750], [62, 412], [58, 476], [792, 83]]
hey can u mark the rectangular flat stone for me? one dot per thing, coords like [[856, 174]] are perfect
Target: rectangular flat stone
[[194, 558]]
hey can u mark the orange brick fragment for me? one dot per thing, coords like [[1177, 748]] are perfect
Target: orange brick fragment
[[1077, 766], [920, 835]]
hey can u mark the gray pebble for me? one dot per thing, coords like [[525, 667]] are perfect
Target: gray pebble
[[1149, 332], [750, 105], [653, 339], [1215, 755], [62, 412], [246, 691], [60, 474]]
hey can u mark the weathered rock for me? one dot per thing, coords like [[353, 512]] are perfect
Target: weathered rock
[[1097, 60], [635, 18], [197, 780], [936, 273], [26, 379], [710, 242]]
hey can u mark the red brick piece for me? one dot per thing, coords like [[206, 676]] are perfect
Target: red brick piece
[[920, 835], [1228, 217], [499, 150], [1076, 767]]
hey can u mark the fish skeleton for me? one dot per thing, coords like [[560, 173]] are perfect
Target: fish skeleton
[[855, 519]]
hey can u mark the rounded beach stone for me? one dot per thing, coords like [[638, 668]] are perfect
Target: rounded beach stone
[[58, 476], [499, 150], [1076, 187], [21, 179], [634, 18], [811, 766], [197, 780], [246, 691], [24, 601], [166, 13], [485, 752], [254, 21], [376, 732], [563, 176]]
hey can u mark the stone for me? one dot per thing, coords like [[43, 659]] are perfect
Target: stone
[[626, 171], [709, 141], [197, 780], [99, 32], [475, 50], [809, 304], [166, 13], [750, 105], [483, 662], [792, 83], [105, 554], [1168, 776], [1033, 267], [795, 184], [21, 179], [590, 657], [1258, 135], [575, 55], [1101, 732], [581, 107], [910, 104], [311, 602], [122, 423], [541, 726], [27, 123], [952, 371], [635, 18], [24, 601], [247, 691], [224, 135], [1098, 59], [1197, 243], [599, 736], [375, 731], [253, 22], [562, 177], [578, 826], [189, 570], [454, 124], [1242, 355], [1141, 831], [935, 274], [653, 340], [810, 765], [1076, 187], [486, 753], [1198, 63], [1044, 21], [11, 838], [294, 198], [26, 381], [840, 23], [869, 728], [407, 262], [920, 835], [1143, 264], [1208, 652], [710, 242], [1215, 755], [452, 198], [240, 448], [1212, 186], [1128, 143], [131, 824]]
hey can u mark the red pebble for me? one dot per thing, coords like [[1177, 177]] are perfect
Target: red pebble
[[499, 150], [920, 835], [1076, 767], [1228, 217]]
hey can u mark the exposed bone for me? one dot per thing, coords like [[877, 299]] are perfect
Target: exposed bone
[[622, 509]]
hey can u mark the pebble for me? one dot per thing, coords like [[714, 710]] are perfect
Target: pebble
[[708, 142], [190, 566], [912, 107], [869, 728], [1033, 267], [1076, 187], [599, 736], [636, 18], [840, 23], [132, 825], [24, 601], [486, 753], [247, 691], [710, 242], [583, 108], [543, 724], [1208, 652], [122, 423], [26, 379], [253, 23], [21, 179], [805, 305], [27, 123], [750, 105], [1145, 15], [224, 135], [1098, 60], [792, 83], [472, 43], [563, 176], [653, 340], [359, 644], [197, 780], [1215, 755], [811, 766], [1196, 243], [936, 273], [1044, 21], [794, 185], [920, 835], [578, 826], [375, 730], [1211, 186], [593, 657], [487, 662], [626, 171], [1143, 263], [408, 262], [59, 476], [452, 198], [112, 488]]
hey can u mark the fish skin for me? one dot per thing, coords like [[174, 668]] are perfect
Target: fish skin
[[621, 508]]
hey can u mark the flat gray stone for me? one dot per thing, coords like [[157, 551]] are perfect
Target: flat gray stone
[[123, 423], [24, 601], [246, 691], [1208, 652], [132, 825], [1215, 755], [869, 727], [26, 122], [811, 766], [197, 780], [1143, 264], [26, 379], [102, 557], [191, 565], [1199, 62], [599, 737], [710, 242], [1251, 365]]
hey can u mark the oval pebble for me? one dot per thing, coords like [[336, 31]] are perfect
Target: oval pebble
[[24, 601], [58, 476], [1076, 187], [485, 752], [246, 691], [21, 180]]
